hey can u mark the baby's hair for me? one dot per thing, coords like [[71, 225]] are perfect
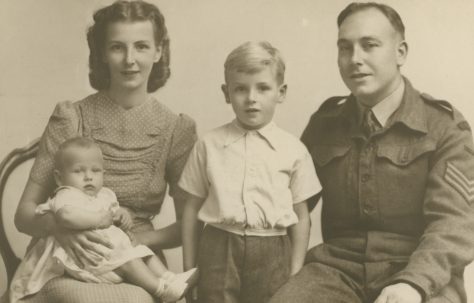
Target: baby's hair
[[252, 57], [78, 142]]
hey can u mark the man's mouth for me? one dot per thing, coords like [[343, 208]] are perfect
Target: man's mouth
[[252, 110]]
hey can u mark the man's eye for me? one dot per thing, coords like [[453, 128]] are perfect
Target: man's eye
[[115, 47]]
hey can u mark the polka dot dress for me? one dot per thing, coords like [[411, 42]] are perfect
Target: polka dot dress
[[145, 147]]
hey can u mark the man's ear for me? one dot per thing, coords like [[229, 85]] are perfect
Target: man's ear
[[282, 92], [225, 91], [402, 52]]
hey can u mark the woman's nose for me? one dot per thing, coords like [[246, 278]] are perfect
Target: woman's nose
[[130, 56]]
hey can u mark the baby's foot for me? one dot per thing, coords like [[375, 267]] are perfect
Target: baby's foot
[[175, 286]]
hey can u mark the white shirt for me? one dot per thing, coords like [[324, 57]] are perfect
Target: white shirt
[[250, 179]]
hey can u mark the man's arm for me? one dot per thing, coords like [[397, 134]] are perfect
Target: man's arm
[[447, 242]]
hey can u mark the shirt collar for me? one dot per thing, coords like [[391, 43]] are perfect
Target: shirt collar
[[385, 108], [268, 133]]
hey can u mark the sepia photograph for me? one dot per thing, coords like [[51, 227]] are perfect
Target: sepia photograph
[[241, 151]]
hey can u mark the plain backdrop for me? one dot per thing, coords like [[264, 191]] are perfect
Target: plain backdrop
[[43, 60]]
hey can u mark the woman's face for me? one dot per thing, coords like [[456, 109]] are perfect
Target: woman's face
[[130, 52]]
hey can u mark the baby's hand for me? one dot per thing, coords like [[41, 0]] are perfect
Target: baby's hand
[[123, 219]]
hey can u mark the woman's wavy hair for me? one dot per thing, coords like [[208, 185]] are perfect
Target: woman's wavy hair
[[99, 75]]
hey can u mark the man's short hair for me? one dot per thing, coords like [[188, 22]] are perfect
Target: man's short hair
[[388, 11], [252, 57]]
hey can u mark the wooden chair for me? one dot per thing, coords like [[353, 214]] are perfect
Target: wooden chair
[[61, 289]]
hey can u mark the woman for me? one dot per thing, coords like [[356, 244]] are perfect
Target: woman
[[145, 145]]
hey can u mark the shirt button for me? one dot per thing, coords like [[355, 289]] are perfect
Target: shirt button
[[365, 178]]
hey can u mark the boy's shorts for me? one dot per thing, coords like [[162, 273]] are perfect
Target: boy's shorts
[[241, 269]]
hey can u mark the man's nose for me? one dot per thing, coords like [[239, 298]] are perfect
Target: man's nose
[[357, 55]]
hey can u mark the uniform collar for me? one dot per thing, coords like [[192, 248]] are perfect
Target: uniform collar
[[268, 133], [410, 112]]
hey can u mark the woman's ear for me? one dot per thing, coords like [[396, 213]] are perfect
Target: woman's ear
[[225, 91], [158, 54]]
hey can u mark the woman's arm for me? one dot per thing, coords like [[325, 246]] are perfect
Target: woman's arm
[[191, 231], [167, 237], [299, 237]]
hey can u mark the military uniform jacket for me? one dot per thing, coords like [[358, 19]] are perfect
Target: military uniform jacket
[[404, 196]]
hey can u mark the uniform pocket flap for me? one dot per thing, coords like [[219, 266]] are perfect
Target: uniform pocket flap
[[404, 155], [323, 154]]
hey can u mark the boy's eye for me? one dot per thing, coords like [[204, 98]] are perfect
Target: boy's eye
[[239, 89], [263, 87]]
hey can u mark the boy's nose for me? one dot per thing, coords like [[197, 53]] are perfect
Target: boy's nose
[[252, 96]]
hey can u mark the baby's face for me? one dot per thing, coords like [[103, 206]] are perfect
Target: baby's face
[[83, 169]]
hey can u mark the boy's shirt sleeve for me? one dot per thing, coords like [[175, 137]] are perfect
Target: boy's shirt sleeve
[[194, 179], [304, 182]]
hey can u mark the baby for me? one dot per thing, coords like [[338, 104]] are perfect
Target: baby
[[81, 203]]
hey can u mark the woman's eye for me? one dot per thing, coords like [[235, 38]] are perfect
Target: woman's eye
[[142, 46]]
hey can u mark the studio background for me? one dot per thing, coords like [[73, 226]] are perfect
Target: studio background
[[44, 55]]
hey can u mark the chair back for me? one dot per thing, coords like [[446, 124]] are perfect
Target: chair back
[[11, 162]]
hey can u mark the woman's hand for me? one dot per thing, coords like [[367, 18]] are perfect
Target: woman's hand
[[83, 246]]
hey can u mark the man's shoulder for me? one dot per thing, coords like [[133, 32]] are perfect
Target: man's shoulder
[[442, 113]]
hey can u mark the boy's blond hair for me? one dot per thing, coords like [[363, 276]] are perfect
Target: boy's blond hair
[[252, 57]]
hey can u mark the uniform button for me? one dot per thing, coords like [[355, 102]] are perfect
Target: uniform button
[[368, 209], [365, 178]]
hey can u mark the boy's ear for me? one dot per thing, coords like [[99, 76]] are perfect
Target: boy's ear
[[282, 92], [57, 177], [226, 93]]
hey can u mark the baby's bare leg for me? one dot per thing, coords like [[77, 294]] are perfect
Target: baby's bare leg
[[155, 265], [138, 273]]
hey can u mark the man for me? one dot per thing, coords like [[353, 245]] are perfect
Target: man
[[397, 169]]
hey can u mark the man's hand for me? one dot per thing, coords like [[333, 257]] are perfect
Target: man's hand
[[399, 293]]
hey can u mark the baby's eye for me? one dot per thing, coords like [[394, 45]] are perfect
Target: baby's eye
[[97, 170]]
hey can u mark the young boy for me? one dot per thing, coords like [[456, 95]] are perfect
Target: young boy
[[248, 181]]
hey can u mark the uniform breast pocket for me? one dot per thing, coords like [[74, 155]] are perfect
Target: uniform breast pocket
[[402, 173], [333, 166]]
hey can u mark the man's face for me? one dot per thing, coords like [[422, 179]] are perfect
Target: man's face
[[370, 53]]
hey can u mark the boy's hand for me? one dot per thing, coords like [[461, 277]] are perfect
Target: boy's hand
[[123, 219]]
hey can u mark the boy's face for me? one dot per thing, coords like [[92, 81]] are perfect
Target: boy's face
[[82, 168], [253, 96]]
